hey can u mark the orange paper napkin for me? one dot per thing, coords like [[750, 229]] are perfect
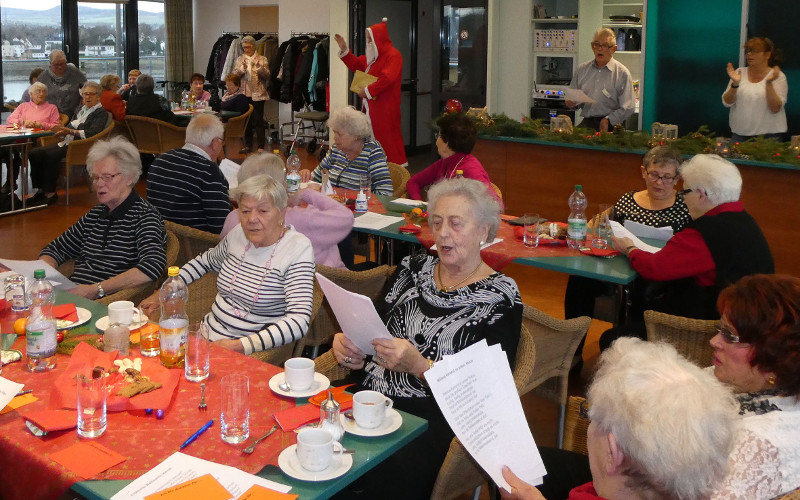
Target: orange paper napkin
[[258, 492], [18, 402], [292, 418], [205, 487], [66, 311], [87, 458]]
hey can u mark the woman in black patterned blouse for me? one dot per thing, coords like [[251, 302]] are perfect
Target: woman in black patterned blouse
[[434, 306]]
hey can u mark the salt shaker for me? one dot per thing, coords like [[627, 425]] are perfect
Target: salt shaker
[[329, 417], [117, 337]]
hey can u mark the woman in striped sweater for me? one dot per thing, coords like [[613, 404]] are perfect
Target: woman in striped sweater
[[265, 285]]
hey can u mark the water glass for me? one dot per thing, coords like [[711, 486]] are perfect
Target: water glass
[[530, 237], [366, 185], [196, 365], [91, 403], [602, 227], [235, 408]]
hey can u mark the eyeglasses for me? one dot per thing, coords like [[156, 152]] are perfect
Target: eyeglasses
[[684, 192], [753, 51], [105, 177], [597, 45], [89, 93], [666, 179], [728, 335]]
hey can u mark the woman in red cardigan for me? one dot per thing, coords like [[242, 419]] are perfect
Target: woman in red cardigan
[[111, 101]]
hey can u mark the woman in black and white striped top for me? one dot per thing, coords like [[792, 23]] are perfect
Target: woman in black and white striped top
[[265, 286], [119, 243]]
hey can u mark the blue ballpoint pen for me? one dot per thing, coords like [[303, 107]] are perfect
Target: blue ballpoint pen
[[197, 434]]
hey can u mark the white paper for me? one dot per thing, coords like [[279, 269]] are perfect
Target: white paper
[[8, 391], [371, 220], [578, 96], [645, 231], [409, 202], [356, 314], [620, 232], [179, 468], [475, 391], [230, 169], [27, 267], [485, 245]]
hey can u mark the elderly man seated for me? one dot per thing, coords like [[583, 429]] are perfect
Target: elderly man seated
[[147, 103], [119, 243], [722, 244], [186, 185]]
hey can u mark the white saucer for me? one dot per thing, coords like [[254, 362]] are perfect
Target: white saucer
[[391, 423], [320, 383], [290, 465], [84, 315], [102, 323]]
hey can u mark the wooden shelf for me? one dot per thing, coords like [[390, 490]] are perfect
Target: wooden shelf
[[556, 21]]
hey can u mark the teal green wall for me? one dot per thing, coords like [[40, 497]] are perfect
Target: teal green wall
[[689, 43]]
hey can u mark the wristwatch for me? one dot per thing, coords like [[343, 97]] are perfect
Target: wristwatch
[[100, 292]]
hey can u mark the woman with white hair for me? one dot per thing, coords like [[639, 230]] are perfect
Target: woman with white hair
[[120, 243], [89, 120], [265, 286], [64, 82], [662, 428], [354, 154], [322, 219], [254, 70]]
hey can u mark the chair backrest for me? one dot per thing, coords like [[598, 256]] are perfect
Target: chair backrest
[[556, 342], [792, 495], [193, 241], [576, 426], [78, 150], [689, 336], [153, 136], [63, 118], [400, 176], [497, 190], [235, 127]]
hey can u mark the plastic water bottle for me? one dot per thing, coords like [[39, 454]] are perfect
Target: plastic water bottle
[[293, 164], [40, 330], [459, 174], [173, 325], [361, 202], [576, 223]]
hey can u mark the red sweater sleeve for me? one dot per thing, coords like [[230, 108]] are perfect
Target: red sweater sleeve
[[684, 256], [421, 180]]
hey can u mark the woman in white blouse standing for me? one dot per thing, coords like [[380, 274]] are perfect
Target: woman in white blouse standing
[[254, 70], [757, 93]]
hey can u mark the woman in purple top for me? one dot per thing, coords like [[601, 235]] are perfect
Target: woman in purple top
[[196, 83], [455, 141]]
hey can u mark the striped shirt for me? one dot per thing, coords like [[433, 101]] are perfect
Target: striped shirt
[[263, 306], [347, 174], [107, 243], [188, 188]]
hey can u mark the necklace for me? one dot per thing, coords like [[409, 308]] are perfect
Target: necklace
[[444, 288], [244, 313]]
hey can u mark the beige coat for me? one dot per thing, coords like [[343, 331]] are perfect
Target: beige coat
[[254, 79]]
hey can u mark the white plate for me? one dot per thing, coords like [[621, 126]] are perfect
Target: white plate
[[102, 323], [320, 383], [290, 465], [83, 316], [391, 423]]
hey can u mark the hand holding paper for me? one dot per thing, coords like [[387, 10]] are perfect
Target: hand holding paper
[[621, 232]]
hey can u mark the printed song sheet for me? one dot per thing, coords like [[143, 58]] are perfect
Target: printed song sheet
[[371, 220], [356, 314], [475, 391], [179, 468], [620, 231], [645, 231], [27, 267]]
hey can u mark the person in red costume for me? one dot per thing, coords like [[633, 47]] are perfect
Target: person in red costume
[[661, 428], [382, 98]]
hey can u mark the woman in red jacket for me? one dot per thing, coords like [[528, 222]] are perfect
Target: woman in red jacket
[[111, 101]]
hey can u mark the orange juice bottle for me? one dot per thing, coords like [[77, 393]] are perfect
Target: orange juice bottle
[[174, 323]]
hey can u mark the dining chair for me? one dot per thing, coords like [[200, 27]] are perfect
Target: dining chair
[[792, 495], [497, 190], [63, 119], [235, 130], [193, 241], [153, 136], [324, 326], [556, 342], [689, 336], [400, 176]]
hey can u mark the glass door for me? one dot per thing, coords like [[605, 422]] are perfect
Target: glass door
[[101, 39], [464, 41]]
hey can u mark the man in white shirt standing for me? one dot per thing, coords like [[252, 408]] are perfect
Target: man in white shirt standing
[[607, 81]]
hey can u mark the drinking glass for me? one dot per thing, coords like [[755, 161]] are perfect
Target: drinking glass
[[196, 365], [530, 236], [602, 227], [235, 408], [366, 185], [91, 403]]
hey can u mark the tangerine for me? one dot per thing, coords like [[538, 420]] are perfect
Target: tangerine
[[19, 326], [417, 211]]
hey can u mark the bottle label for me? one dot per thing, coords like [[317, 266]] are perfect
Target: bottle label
[[16, 298], [293, 182], [361, 205], [41, 340], [576, 229]]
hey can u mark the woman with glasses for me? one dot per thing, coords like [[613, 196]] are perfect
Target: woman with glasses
[[757, 353], [119, 243], [756, 94], [89, 120]]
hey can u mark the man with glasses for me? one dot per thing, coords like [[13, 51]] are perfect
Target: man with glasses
[[607, 81], [64, 82], [186, 184]]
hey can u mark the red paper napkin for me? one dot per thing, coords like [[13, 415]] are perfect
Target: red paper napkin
[[299, 416], [87, 458], [53, 420], [66, 312], [409, 228], [599, 252]]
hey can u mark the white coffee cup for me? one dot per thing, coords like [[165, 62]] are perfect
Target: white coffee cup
[[369, 408], [120, 312], [299, 373], [315, 449]]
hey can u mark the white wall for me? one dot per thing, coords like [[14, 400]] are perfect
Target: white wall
[[508, 66]]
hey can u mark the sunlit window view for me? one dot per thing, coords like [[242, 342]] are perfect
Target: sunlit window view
[[152, 39]]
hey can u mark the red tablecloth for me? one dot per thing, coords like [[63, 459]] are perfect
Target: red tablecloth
[[26, 471]]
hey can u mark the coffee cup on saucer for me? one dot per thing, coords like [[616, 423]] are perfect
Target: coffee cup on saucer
[[369, 408]]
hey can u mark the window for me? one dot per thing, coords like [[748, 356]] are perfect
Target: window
[[152, 39]]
